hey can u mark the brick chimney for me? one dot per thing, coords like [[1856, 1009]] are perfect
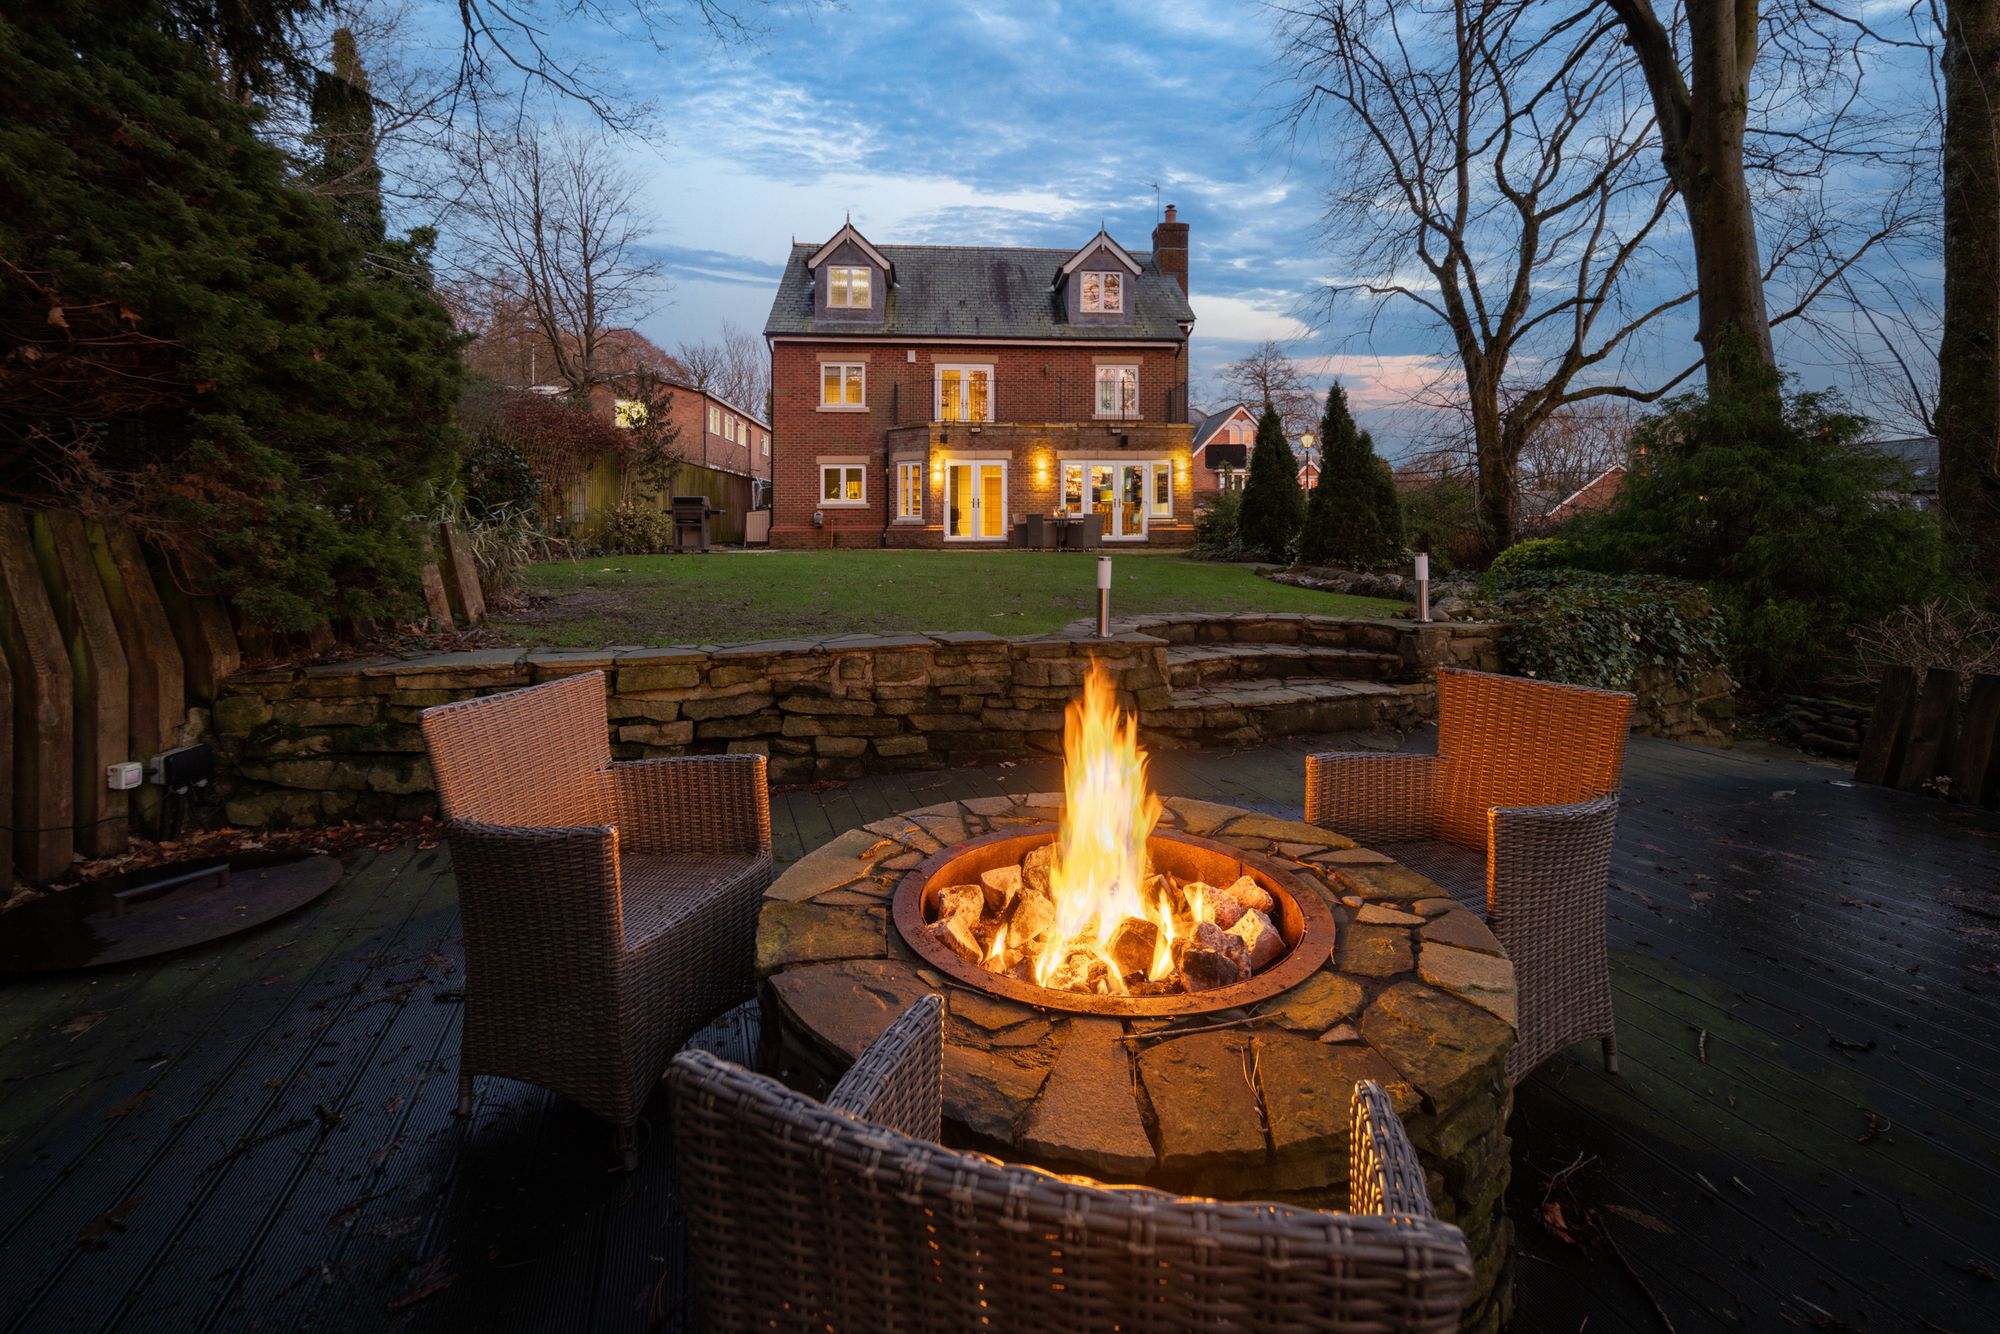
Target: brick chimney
[[1170, 247]]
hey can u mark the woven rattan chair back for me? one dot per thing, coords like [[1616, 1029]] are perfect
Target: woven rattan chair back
[[533, 758], [804, 1217], [1506, 741]]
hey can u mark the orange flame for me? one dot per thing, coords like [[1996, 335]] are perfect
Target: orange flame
[[1098, 878]]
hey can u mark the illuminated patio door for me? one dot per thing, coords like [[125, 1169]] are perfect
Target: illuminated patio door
[[975, 501], [1118, 492]]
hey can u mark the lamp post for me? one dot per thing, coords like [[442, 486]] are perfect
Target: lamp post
[[1423, 585]]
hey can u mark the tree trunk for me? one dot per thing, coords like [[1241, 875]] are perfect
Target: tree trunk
[[1498, 496], [1701, 121], [1968, 410]]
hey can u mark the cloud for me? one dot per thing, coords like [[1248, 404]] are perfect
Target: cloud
[[1242, 319]]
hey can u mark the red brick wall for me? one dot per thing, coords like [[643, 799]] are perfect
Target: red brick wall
[[1031, 384], [697, 444]]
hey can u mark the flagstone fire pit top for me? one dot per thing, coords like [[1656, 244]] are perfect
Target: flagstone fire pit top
[[1248, 1102]]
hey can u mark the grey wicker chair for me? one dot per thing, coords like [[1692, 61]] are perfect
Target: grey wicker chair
[[1515, 816], [610, 909], [848, 1216]]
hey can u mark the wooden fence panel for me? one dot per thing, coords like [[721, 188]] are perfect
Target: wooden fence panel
[[1888, 727], [1975, 770]]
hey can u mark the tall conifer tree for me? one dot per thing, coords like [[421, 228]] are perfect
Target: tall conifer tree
[[1273, 504], [1353, 518]]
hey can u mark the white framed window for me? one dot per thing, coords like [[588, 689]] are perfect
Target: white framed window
[[847, 287], [1117, 391], [1103, 293], [1161, 502], [910, 490], [629, 412], [764, 439], [964, 393], [714, 420], [843, 384], [843, 484]]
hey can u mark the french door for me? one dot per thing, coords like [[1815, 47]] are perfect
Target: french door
[[975, 500], [1115, 490]]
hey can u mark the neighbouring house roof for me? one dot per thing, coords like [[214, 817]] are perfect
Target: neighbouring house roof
[[1594, 494], [756, 417], [1919, 453], [979, 292], [1209, 424]]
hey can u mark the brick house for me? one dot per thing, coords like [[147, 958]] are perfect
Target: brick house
[[934, 396], [1221, 449]]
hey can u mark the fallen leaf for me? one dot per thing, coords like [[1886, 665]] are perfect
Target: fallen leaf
[[1558, 1226], [130, 1105], [1639, 1216], [93, 1233], [79, 1024]]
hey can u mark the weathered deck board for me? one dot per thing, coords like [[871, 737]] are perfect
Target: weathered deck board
[[276, 1113]]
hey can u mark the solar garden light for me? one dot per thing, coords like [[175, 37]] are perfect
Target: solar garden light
[[1423, 585], [1104, 597]]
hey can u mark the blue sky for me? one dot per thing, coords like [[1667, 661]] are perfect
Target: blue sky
[[1027, 123]]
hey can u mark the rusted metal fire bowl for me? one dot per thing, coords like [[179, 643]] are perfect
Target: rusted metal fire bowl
[[1302, 919]]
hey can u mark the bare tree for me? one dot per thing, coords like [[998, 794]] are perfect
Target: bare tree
[[1576, 443], [1802, 132], [1267, 377], [735, 367], [557, 232], [1494, 186]]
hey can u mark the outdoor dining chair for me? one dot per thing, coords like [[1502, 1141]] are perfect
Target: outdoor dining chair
[[1513, 816], [609, 909], [848, 1215]]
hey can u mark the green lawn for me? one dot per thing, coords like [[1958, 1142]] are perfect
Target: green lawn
[[727, 597]]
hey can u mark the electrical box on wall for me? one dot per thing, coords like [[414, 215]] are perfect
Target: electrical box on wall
[[124, 775]]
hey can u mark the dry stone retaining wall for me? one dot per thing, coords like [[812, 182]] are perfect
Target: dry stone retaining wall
[[307, 745]]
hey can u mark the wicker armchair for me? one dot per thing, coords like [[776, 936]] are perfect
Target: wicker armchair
[[610, 910], [848, 1216], [1514, 816]]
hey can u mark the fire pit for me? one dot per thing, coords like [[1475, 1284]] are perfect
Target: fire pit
[[1238, 1091]]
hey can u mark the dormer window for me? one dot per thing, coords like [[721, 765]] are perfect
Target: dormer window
[[1103, 293], [847, 287]]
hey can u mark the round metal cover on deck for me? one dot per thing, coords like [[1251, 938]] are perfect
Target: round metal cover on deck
[[160, 910]]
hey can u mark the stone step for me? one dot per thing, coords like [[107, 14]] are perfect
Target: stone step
[[1216, 664], [1238, 712]]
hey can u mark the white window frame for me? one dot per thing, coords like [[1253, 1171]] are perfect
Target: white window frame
[[963, 368], [910, 491], [1110, 294], [714, 420], [861, 372], [1097, 380], [1006, 496], [764, 440], [858, 469], [840, 286]]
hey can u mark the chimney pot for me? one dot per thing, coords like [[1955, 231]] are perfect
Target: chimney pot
[[1170, 213]]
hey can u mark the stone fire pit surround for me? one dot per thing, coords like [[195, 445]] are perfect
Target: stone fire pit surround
[[1243, 1103]]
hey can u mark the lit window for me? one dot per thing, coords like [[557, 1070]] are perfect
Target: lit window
[[714, 420], [842, 384], [630, 412], [843, 484], [965, 393], [764, 438], [1163, 491], [847, 287], [1072, 494], [1117, 391], [909, 490], [1103, 293]]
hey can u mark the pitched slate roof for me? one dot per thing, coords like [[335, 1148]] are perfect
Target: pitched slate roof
[[981, 292], [1207, 425], [1919, 453]]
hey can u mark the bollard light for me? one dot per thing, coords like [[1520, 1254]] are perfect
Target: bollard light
[[1104, 597], [1423, 585]]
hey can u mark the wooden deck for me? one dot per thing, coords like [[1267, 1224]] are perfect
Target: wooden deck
[[1806, 1132]]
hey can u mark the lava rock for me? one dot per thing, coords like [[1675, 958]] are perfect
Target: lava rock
[[1212, 958], [1261, 941]]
